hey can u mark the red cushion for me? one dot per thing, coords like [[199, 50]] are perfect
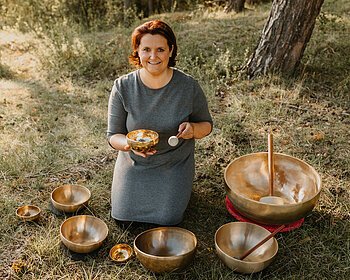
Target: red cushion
[[270, 228]]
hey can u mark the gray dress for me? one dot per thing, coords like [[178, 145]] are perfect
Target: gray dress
[[155, 189]]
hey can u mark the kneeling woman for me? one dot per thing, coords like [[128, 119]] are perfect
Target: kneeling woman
[[155, 187]]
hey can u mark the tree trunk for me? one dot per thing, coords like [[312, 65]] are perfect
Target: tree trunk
[[127, 4], [234, 5], [150, 7], [284, 37], [170, 5]]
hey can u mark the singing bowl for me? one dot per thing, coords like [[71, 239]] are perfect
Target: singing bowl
[[165, 249], [142, 140], [70, 198], [121, 253], [232, 240], [28, 212], [296, 182], [83, 233]]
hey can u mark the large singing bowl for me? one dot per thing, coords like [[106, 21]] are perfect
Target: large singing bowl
[[296, 182], [165, 249]]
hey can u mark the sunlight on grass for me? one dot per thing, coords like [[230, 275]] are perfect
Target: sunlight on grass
[[53, 108]]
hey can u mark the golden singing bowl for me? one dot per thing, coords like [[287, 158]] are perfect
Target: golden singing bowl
[[70, 198], [83, 233], [296, 182], [142, 140], [121, 253], [165, 249], [232, 240], [28, 212]]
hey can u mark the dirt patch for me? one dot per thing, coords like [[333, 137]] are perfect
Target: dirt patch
[[16, 52]]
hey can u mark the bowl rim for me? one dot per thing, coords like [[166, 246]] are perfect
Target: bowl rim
[[271, 204], [28, 205], [89, 217], [74, 204], [138, 250], [242, 261], [141, 129]]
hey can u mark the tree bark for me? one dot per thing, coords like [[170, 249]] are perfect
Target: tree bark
[[234, 5], [170, 5], [284, 37], [127, 4], [150, 7]]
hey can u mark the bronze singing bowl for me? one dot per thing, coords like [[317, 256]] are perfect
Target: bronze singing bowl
[[142, 140], [296, 182], [232, 240], [28, 212], [121, 253], [83, 233], [165, 249], [70, 198]]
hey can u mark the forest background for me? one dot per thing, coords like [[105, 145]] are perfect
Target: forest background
[[58, 60]]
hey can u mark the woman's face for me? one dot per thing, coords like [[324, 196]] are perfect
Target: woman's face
[[154, 53]]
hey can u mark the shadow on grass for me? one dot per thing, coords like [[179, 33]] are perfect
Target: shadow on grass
[[5, 72], [54, 135]]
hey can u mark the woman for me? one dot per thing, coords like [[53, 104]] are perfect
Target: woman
[[155, 187]]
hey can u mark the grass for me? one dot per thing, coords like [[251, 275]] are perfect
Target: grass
[[53, 102]]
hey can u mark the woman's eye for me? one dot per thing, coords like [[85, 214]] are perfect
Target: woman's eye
[[161, 50]]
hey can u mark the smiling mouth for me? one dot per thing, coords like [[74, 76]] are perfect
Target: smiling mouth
[[154, 63]]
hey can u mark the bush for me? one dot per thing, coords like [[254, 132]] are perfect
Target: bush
[[90, 14]]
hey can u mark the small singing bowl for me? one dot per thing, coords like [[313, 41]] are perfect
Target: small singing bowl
[[70, 198], [83, 233], [165, 249], [28, 212], [142, 140], [295, 181], [232, 240], [121, 253]]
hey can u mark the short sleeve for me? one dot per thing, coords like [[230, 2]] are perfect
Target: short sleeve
[[116, 113], [200, 111]]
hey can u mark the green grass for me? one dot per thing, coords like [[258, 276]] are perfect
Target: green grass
[[53, 122]]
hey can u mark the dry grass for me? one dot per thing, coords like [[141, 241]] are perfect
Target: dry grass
[[53, 132]]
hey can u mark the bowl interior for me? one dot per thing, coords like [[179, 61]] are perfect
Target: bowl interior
[[121, 252], [235, 238], [295, 181], [70, 195], [166, 242], [84, 230], [28, 211]]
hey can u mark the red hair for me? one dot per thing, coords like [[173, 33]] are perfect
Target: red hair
[[153, 27]]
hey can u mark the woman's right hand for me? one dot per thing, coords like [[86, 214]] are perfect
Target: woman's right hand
[[118, 142]]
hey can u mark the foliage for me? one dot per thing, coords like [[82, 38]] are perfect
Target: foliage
[[88, 14], [67, 54]]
